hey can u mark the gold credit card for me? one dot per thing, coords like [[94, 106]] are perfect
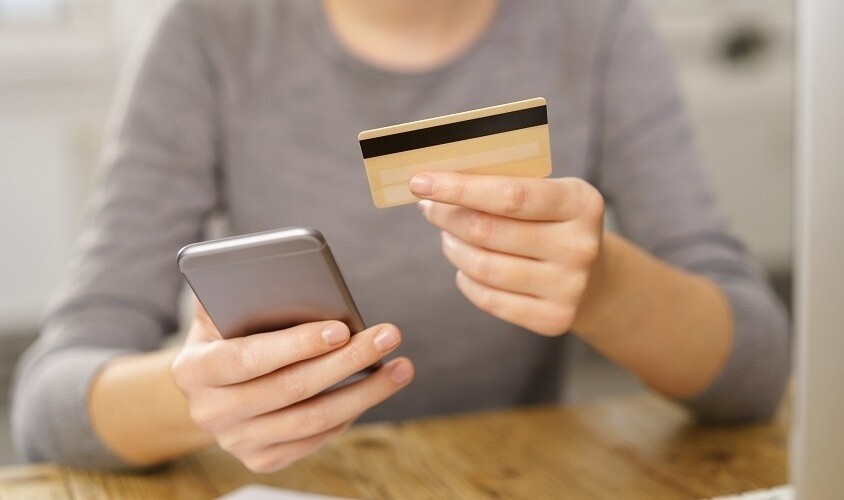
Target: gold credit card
[[509, 139]]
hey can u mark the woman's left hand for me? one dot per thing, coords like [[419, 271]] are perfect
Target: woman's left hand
[[526, 249]]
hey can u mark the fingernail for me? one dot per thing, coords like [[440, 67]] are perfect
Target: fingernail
[[335, 333], [386, 340], [401, 373], [422, 185], [424, 206]]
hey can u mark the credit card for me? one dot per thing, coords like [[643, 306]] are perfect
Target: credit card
[[509, 139]]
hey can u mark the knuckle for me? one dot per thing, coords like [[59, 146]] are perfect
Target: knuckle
[[586, 250], [294, 386], [180, 371], [567, 296], [283, 462], [246, 359], [358, 356], [258, 464], [580, 185], [550, 330], [487, 299], [232, 442], [481, 227], [555, 273], [277, 463], [317, 420], [206, 417], [592, 200], [578, 285], [547, 330], [513, 197], [271, 460], [480, 265], [216, 353], [559, 321], [253, 466], [560, 295]]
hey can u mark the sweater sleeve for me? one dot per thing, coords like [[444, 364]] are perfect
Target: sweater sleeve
[[648, 172], [120, 292]]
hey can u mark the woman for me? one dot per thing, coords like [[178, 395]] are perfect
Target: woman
[[252, 108]]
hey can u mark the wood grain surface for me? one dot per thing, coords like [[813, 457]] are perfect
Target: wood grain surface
[[634, 447]]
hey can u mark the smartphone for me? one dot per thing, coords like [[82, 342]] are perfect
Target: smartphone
[[268, 281]]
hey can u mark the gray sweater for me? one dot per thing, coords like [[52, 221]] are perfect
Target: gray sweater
[[251, 109]]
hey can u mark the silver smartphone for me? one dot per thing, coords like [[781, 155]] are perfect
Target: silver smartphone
[[268, 281]]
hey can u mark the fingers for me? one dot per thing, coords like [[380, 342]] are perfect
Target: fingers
[[540, 316], [513, 197], [236, 360], [494, 232], [524, 248], [270, 421], [314, 416], [501, 271], [300, 381], [279, 456]]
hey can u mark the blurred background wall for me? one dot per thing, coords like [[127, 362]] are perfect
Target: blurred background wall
[[59, 62]]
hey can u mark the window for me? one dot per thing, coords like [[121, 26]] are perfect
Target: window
[[33, 11]]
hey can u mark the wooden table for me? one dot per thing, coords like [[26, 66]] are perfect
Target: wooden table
[[633, 447]]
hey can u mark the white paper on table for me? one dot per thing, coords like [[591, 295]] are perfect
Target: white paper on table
[[261, 492]]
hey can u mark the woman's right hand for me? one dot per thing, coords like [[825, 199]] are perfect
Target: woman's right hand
[[260, 395]]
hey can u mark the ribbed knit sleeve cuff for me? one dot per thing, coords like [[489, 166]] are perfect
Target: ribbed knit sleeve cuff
[[50, 418], [753, 379], [68, 426]]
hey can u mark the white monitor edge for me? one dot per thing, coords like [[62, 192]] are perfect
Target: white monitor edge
[[817, 445]]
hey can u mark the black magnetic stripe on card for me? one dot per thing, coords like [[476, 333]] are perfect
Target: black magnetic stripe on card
[[454, 132]]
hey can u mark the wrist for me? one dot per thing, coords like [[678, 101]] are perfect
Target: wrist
[[604, 276], [670, 327], [139, 414]]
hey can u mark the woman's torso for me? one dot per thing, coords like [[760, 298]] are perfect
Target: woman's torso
[[291, 103]]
